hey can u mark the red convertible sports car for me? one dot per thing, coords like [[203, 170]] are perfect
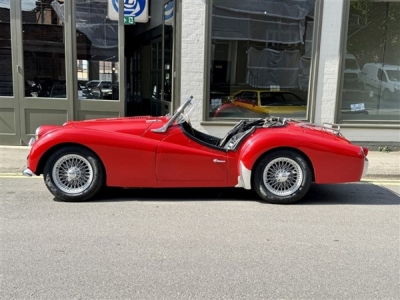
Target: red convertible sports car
[[278, 158]]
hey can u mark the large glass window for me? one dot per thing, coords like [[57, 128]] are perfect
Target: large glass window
[[6, 80], [97, 50], [97, 43], [44, 50], [371, 73], [260, 58]]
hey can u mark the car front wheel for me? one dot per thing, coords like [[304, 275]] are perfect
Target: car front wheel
[[282, 177], [73, 174]]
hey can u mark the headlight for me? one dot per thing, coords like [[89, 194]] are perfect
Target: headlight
[[34, 139], [37, 133], [397, 87]]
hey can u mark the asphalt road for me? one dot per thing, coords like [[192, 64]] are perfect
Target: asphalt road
[[340, 242]]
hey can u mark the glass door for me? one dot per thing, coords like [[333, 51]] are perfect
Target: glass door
[[9, 109], [42, 61]]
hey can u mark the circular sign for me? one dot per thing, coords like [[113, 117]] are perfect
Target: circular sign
[[131, 7]]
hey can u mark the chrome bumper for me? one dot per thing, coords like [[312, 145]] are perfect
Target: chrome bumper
[[365, 169], [27, 172]]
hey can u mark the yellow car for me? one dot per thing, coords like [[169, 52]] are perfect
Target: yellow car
[[274, 103]]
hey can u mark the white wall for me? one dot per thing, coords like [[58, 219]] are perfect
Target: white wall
[[329, 58], [192, 54]]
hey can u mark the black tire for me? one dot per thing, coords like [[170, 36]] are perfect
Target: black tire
[[73, 174], [282, 177]]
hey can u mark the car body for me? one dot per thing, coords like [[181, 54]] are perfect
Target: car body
[[276, 157], [382, 79], [277, 103]]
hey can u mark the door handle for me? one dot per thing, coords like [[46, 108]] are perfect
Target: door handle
[[218, 161]]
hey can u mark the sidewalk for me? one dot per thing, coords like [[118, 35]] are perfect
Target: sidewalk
[[382, 165]]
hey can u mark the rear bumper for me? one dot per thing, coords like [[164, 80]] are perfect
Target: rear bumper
[[365, 169]]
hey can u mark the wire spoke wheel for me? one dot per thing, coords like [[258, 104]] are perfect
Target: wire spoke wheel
[[72, 173], [283, 176]]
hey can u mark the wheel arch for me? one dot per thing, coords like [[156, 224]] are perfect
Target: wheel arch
[[50, 151], [277, 149]]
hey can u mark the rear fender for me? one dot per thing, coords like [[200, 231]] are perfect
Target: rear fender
[[257, 146], [254, 148]]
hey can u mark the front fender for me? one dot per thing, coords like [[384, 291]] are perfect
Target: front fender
[[128, 159]]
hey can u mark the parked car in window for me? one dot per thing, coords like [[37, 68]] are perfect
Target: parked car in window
[[229, 110], [59, 90], [101, 88], [276, 103], [383, 80], [352, 71]]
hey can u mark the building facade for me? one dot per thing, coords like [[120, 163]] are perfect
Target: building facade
[[323, 61]]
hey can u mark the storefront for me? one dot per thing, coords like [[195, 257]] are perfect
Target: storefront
[[320, 61]]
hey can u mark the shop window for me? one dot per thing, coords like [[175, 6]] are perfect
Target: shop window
[[371, 83], [6, 80], [44, 50], [263, 48], [97, 50]]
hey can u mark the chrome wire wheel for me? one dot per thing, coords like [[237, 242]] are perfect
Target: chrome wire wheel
[[72, 174], [282, 176]]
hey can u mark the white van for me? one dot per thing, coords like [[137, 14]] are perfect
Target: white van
[[351, 71], [383, 80]]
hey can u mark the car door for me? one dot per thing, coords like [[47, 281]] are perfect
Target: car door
[[182, 161]]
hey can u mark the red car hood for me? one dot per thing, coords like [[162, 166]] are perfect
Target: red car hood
[[129, 125]]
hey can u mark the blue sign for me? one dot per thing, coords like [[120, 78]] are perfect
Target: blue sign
[[131, 7]]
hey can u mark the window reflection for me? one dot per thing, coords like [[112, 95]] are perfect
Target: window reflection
[[260, 62], [97, 51], [6, 78], [371, 79], [44, 52]]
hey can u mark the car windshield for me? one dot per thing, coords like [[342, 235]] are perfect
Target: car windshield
[[182, 114], [351, 64], [187, 111]]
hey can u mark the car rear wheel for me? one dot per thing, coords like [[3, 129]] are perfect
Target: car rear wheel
[[282, 177], [73, 174]]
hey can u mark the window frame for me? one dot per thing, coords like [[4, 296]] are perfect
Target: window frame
[[381, 124], [313, 75]]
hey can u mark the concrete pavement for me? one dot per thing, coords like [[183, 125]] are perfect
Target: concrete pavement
[[382, 165]]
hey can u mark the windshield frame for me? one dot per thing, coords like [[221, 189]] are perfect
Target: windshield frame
[[175, 116]]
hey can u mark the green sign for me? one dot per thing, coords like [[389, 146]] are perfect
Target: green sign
[[129, 20]]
